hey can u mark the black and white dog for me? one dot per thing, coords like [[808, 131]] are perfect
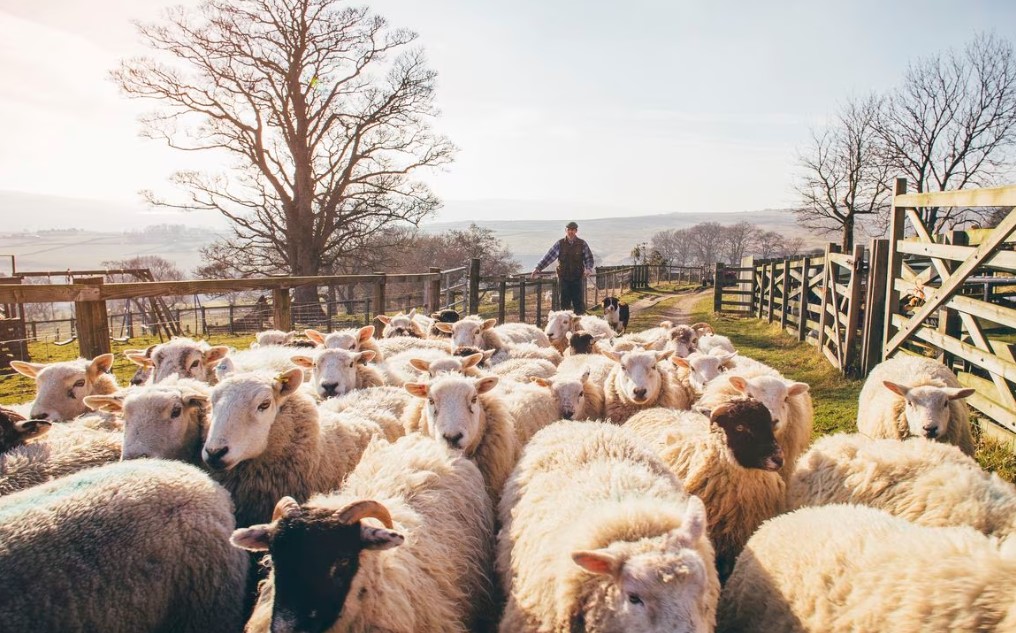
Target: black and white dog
[[616, 314]]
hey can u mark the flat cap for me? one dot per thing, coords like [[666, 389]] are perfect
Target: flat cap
[[571, 225]]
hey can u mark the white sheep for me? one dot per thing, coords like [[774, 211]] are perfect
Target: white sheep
[[61, 387], [598, 365], [478, 333], [533, 351], [577, 397], [336, 372], [920, 480], [464, 414], [699, 369], [598, 535], [413, 325], [403, 547], [352, 339], [911, 396], [560, 322], [391, 346], [182, 356], [273, 338], [410, 366], [531, 405], [849, 569], [267, 439], [682, 340], [168, 420], [466, 365], [515, 334], [385, 406], [522, 369], [134, 547], [652, 339], [637, 381], [728, 460], [66, 449], [789, 404]]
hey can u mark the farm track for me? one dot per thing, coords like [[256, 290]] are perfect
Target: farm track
[[678, 311]]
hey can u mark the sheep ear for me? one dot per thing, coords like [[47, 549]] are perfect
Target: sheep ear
[[680, 362], [797, 388], [739, 383], [600, 337], [224, 368], [366, 333], [569, 334], [418, 389], [585, 375], [666, 324], [112, 404], [726, 358], [384, 318], [694, 522], [489, 323], [956, 393], [215, 354], [720, 410], [486, 384], [898, 389], [100, 365], [412, 314], [543, 382], [366, 355], [29, 429], [255, 538], [444, 327], [419, 363], [597, 562], [288, 382], [664, 355], [285, 508], [376, 538], [138, 358], [315, 336], [302, 361], [488, 354], [471, 360], [612, 355]]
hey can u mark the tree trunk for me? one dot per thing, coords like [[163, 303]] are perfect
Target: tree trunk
[[848, 233]]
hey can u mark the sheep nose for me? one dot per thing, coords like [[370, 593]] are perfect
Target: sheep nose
[[453, 440], [330, 387], [40, 416], [213, 456], [931, 432], [640, 392], [567, 415]]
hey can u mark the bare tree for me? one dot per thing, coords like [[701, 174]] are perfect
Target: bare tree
[[706, 240], [793, 247], [952, 122], [324, 110], [737, 240], [844, 175], [768, 244], [672, 245]]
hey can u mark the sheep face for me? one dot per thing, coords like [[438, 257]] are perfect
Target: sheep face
[[703, 368], [453, 413], [401, 325], [559, 323], [346, 339], [468, 332], [162, 422], [334, 370], [315, 557], [772, 391], [682, 341], [751, 440], [183, 357], [641, 378], [654, 585], [449, 365], [272, 337], [62, 387], [15, 430], [927, 407], [244, 407], [570, 395]]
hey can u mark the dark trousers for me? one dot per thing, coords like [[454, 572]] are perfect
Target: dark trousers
[[573, 296]]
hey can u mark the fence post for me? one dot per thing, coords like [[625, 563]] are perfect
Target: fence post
[[772, 290], [850, 354], [231, 332], [763, 285], [93, 323], [522, 299], [434, 293], [502, 290], [949, 320], [539, 301], [894, 267], [802, 310], [474, 285], [871, 346], [827, 279], [379, 299], [718, 288], [282, 309], [785, 294]]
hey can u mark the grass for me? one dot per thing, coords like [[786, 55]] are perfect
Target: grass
[[835, 397]]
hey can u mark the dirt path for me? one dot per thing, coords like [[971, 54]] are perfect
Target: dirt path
[[679, 311]]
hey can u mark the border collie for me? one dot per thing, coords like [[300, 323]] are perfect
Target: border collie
[[616, 314]]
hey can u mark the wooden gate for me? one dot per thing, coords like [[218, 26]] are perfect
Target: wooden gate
[[925, 307]]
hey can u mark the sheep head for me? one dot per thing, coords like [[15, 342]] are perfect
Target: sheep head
[[334, 371], [703, 368], [163, 421], [569, 393], [453, 413], [927, 407], [184, 357], [559, 323], [62, 386], [641, 377], [748, 428], [315, 557], [468, 332], [772, 391], [15, 430]]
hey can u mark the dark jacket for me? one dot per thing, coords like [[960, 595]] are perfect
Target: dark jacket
[[569, 262]]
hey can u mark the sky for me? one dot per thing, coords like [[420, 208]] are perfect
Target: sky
[[580, 108]]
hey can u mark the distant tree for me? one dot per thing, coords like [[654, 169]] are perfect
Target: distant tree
[[325, 110], [672, 245], [160, 268], [768, 244], [845, 179], [952, 123], [706, 242], [793, 247], [460, 246], [737, 240]]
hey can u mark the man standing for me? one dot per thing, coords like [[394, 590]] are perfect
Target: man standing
[[574, 262]]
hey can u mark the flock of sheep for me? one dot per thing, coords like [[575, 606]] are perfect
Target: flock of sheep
[[459, 475]]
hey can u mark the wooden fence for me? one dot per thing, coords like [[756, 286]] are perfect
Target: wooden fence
[[949, 296]]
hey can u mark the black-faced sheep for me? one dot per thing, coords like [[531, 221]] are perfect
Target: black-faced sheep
[[403, 547], [15, 430]]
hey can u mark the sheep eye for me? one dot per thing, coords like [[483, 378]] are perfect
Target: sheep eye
[[175, 413], [430, 401], [634, 599], [909, 403], [741, 428], [352, 363], [80, 383], [945, 405], [194, 365], [582, 393], [474, 400], [264, 405]]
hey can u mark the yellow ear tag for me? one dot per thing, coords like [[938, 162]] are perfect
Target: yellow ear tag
[[283, 378]]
